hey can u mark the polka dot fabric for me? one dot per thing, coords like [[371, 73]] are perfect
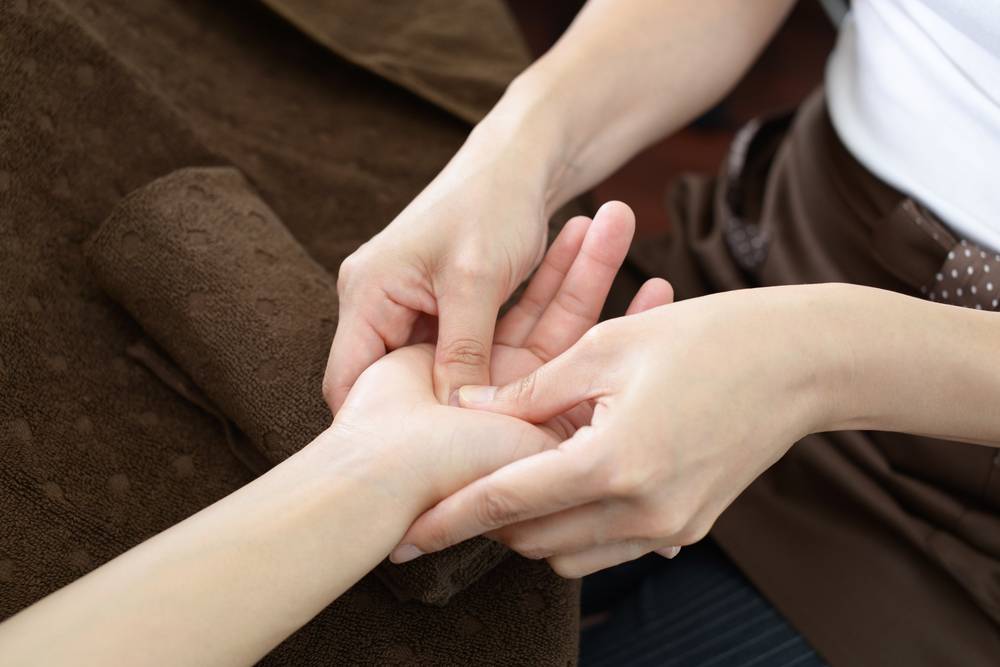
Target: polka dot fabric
[[858, 516], [969, 277]]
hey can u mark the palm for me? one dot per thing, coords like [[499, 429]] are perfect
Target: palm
[[509, 363]]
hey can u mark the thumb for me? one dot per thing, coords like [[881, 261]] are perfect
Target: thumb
[[465, 339], [552, 389]]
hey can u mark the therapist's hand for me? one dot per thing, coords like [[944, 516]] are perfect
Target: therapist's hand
[[425, 449], [441, 269], [692, 402]]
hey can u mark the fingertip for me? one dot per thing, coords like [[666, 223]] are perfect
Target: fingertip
[[577, 224], [654, 292], [473, 396], [616, 212], [669, 552]]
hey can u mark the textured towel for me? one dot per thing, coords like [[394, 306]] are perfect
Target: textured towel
[[102, 442], [212, 275]]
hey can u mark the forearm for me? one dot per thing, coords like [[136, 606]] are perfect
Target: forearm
[[229, 583], [624, 75], [909, 365]]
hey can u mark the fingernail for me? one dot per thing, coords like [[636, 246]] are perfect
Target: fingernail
[[453, 399], [405, 553], [476, 395], [669, 552]]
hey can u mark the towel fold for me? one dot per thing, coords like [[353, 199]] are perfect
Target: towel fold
[[214, 277]]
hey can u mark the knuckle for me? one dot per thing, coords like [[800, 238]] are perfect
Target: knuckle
[[590, 468], [349, 269], [471, 263], [597, 336], [435, 536], [626, 482], [496, 509], [666, 524], [530, 550], [465, 352], [572, 303], [471, 268], [523, 389]]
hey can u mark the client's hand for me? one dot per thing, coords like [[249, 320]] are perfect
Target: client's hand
[[429, 450]]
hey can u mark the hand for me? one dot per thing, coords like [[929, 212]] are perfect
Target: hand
[[446, 264], [437, 448], [693, 401]]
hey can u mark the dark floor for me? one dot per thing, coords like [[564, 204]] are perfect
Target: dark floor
[[786, 72]]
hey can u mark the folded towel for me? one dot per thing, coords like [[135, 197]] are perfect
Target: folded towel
[[212, 275]]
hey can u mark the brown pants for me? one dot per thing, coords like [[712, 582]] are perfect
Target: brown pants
[[881, 548]]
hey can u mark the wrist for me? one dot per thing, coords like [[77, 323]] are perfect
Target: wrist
[[821, 360], [351, 459], [526, 131], [853, 340]]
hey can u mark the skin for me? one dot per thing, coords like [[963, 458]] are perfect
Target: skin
[[655, 465], [454, 255], [685, 417], [231, 582]]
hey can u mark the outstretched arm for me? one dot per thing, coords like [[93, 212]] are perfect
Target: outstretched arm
[[222, 584], [231, 582], [695, 400], [624, 75]]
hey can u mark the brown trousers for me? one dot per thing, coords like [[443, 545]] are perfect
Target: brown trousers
[[882, 548]]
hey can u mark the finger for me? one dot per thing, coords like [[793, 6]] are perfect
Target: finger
[[580, 564], [577, 304], [606, 521], [518, 322], [550, 390], [465, 339], [361, 339], [356, 346], [547, 482], [654, 292], [577, 529], [490, 443]]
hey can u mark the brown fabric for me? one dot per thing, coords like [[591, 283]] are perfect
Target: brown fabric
[[415, 44], [211, 274], [102, 443], [881, 548]]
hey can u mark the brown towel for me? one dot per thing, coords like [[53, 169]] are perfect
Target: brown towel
[[101, 445], [212, 275]]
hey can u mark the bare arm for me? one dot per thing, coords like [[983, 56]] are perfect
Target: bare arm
[[231, 582], [221, 584], [912, 365], [697, 399], [626, 73]]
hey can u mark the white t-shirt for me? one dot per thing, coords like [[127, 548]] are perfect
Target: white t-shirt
[[913, 89]]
